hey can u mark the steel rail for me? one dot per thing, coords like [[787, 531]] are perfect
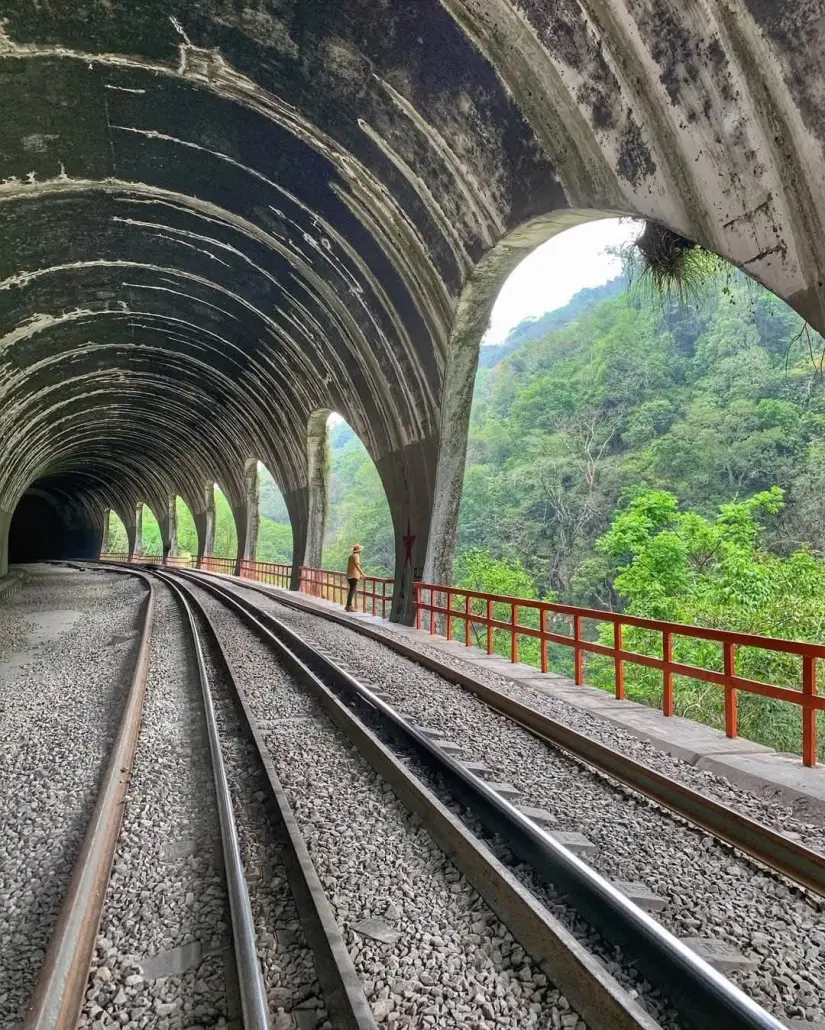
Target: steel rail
[[762, 843], [250, 981], [343, 992], [702, 996], [61, 985]]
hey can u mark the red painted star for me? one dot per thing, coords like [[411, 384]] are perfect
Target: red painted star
[[408, 542]]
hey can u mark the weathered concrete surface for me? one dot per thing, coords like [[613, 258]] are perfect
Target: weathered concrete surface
[[220, 218], [318, 486]]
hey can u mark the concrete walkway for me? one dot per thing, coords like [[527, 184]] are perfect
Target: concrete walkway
[[752, 766]]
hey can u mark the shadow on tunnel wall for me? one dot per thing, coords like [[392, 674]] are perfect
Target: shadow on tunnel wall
[[41, 530]]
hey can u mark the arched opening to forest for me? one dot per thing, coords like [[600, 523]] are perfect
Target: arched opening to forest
[[359, 512], [117, 539], [226, 533], [656, 451], [148, 532], [274, 528]]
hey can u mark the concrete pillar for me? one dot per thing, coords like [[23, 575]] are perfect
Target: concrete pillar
[[136, 543], [5, 522], [456, 403], [252, 506], [318, 492], [128, 519], [104, 540], [170, 536], [408, 476], [205, 525], [297, 504]]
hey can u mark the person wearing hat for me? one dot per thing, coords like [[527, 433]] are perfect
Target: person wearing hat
[[354, 573]]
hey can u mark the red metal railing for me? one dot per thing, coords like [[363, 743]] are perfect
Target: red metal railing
[[210, 563], [374, 595], [178, 562], [267, 572], [444, 605]]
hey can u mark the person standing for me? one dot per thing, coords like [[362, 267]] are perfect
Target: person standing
[[354, 573]]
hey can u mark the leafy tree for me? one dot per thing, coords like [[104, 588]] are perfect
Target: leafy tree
[[678, 566]]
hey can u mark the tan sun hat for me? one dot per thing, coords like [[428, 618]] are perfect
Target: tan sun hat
[[358, 547]]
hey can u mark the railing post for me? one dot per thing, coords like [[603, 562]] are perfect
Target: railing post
[[808, 712], [514, 634], [449, 616], [545, 661], [667, 674], [577, 660], [618, 663], [731, 707], [419, 590], [489, 626], [433, 596], [467, 636]]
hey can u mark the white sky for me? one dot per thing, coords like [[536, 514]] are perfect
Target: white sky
[[555, 271]]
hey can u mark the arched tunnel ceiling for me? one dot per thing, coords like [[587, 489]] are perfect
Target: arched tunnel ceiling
[[218, 216]]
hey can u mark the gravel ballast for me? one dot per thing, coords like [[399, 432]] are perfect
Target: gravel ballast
[[447, 960], [69, 641], [710, 891], [166, 889]]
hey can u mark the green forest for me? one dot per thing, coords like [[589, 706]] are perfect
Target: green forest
[[635, 453], [640, 454]]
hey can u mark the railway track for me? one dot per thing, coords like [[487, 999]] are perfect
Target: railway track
[[701, 996], [66, 995], [785, 856]]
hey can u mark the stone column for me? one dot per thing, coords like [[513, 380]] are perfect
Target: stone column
[[205, 525], [252, 487], [170, 537], [318, 490], [408, 476], [247, 517], [104, 541], [128, 519], [5, 522], [456, 402], [136, 543], [297, 502]]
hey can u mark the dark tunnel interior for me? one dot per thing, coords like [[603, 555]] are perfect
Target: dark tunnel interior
[[41, 529]]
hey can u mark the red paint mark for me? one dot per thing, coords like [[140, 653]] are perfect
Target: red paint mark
[[408, 540]]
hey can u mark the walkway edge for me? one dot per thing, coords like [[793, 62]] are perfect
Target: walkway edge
[[61, 986], [760, 842]]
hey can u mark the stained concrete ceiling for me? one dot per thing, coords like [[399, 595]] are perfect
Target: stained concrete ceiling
[[218, 216]]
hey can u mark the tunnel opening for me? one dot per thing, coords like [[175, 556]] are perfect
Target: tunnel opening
[[43, 528], [359, 512], [117, 540], [274, 543]]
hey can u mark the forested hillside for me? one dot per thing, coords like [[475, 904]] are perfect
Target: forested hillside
[[712, 401]]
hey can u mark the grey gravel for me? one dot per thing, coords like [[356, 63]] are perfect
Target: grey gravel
[[454, 964], [711, 892], [166, 889], [63, 683]]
